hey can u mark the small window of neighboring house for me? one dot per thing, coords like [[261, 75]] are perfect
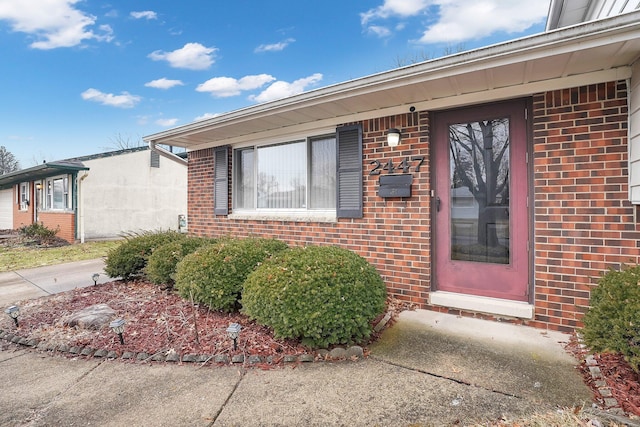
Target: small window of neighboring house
[[311, 175], [57, 195], [23, 196]]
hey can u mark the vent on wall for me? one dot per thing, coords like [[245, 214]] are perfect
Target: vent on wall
[[155, 159]]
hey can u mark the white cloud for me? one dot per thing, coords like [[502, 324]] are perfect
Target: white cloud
[[145, 14], [275, 47], [222, 87], [54, 23], [166, 122], [379, 31], [206, 116], [281, 89], [124, 100], [460, 21], [192, 56], [164, 83], [402, 8]]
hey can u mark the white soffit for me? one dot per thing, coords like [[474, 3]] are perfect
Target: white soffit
[[586, 54]]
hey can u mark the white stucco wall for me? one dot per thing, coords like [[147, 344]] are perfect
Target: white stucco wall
[[6, 209], [123, 194]]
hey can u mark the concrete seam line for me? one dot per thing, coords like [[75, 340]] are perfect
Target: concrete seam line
[[38, 413], [27, 280], [422, 371], [224, 405]]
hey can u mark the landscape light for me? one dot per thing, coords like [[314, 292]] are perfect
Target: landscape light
[[234, 331], [13, 312], [117, 326], [95, 278]]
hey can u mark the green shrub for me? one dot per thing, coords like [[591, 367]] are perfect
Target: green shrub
[[161, 266], [320, 295], [39, 232], [129, 258], [612, 324], [214, 275]]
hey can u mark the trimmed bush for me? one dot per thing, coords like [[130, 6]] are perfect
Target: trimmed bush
[[214, 275], [612, 324], [319, 295], [161, 266], [38, 231], [129, 259]]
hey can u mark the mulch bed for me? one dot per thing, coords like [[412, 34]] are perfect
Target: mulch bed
[[620, 378], [157, 321]]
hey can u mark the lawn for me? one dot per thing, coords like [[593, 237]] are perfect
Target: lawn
[[16, 257]]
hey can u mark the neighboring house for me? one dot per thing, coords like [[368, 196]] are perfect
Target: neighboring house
[[6, 209], [100, 196], [538, 137]]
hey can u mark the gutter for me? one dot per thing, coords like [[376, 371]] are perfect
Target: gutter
[[164, 153]]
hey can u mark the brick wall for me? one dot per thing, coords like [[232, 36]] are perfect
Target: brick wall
[[584, 223], [394, 234], [65, 220]]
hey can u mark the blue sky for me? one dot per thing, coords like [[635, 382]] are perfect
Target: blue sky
[[78, 76]]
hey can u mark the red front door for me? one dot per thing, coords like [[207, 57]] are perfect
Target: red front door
[[480, 201]]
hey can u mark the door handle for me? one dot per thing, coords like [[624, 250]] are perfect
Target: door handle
[[437, 204]]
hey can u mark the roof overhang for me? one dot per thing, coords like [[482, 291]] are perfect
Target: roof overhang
[[590, 53], [39, 172]]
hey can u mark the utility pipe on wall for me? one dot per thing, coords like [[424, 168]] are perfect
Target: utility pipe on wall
[[81, 205]]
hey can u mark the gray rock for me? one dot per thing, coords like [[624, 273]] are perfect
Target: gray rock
[[172, 356], [290, 358], [221, 358], [338, 353], [112, 355], [92, 317], [190, 358], [306, 358], [254, 359], [87, 351], [101, 353], [238, 358], [355, 351], [128, 355], [142, 356], [158, 357]]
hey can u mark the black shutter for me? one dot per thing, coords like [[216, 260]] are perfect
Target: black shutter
[[349, 159], [221, 181]]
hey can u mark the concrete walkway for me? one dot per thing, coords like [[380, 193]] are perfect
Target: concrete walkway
[[427, 369], [42, 281]]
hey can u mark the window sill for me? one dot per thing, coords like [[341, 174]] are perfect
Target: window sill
[[329, 217]]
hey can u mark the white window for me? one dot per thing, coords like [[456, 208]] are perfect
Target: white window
[[23, 196], [299, 176], [57, 195]]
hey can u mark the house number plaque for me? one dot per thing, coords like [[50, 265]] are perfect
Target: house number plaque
[[394, 183], [405, 165]]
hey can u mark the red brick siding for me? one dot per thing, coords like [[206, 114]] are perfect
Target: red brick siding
[[65, 221], [394, 234], [584, 223]]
